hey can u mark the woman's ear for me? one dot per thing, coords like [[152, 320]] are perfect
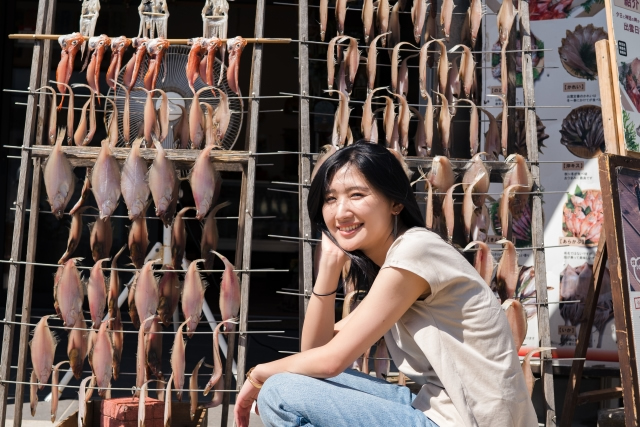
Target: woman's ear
[[396, 208]]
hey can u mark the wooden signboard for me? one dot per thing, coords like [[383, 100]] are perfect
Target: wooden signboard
[[618, 62], [620, 181]]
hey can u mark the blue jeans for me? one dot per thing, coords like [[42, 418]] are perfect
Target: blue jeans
[[351, 399]]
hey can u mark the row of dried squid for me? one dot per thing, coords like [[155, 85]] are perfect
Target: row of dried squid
[[193, 128], [441, 180], [396, 126], [102, 344], [135, 182], [386, 18], [456, 84], [506, 275], [152, 49], [452, 79]]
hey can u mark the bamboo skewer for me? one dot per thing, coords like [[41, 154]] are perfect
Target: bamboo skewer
[[262, 40]]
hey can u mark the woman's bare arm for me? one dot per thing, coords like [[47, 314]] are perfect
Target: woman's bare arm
[[319, 319], [391, 295]]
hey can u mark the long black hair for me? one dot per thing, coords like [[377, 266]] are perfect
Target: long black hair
[[384, 173]]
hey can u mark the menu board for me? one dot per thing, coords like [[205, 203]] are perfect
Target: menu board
[[570, 137], [629, 199], [624, 18]]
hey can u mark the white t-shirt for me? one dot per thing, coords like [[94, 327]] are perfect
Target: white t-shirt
[[456, 343]]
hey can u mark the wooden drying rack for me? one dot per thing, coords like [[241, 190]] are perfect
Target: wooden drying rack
[[30, 164], [537, 226]]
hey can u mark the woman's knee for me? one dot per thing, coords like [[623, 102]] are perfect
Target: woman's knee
[[272, 391]]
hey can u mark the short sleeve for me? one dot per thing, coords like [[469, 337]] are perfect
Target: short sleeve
[[424, 253]]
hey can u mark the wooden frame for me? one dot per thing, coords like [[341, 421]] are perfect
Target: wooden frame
[[306, 261], [617, 236], [238, 161], [305, 267], [40, 65]]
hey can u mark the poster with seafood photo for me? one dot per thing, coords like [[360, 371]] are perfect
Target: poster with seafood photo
[[625, 21], [570, 137]]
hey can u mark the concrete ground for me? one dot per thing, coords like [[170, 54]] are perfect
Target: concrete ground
[[67, 407]]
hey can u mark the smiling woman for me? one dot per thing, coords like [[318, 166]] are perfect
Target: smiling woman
[[369, 189], [444, 328]]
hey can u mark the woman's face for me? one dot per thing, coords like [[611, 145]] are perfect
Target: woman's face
[[356, 214]]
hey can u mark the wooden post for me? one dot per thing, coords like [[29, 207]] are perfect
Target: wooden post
[[28, 289], [537, 224], [249, 178], [511, 95], [305, 255], [231, 342], [610, 105], [34, 216], [44, 7]]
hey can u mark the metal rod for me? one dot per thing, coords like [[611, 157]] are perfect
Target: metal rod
[[189, 218], [132, 270], [417, 66], [261, 40], [419, 105], [430, 51], [133, 373], [282, 191], [551, 302], [141, 98], [359, 10], [131, 389], [135, 332], [293, 238], [24, 104], [221, 152], [537, 193], [214, 322]]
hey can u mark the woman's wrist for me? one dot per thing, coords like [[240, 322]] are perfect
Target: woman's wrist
[[258, 374]]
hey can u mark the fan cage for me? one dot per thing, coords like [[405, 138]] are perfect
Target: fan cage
[[172, 77]]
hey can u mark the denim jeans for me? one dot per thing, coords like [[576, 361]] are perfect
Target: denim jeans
[[351, 399]]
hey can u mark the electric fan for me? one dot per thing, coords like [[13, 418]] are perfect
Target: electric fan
[[172, 79]]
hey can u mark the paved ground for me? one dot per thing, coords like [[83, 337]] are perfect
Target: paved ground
[[67, 407]]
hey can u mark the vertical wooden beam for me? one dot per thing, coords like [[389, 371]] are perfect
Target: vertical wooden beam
[[27, 292], [609, 104], [619, 284], [18, 228], [573, 386], [305, 257], [231, 341], [511, 95], [34, 216], [537, 224], [249, 179]]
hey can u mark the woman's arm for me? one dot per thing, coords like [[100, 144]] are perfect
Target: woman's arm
[[391, 295], [320, 317]]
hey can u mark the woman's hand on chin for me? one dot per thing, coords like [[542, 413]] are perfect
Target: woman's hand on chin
[[332, 256]]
